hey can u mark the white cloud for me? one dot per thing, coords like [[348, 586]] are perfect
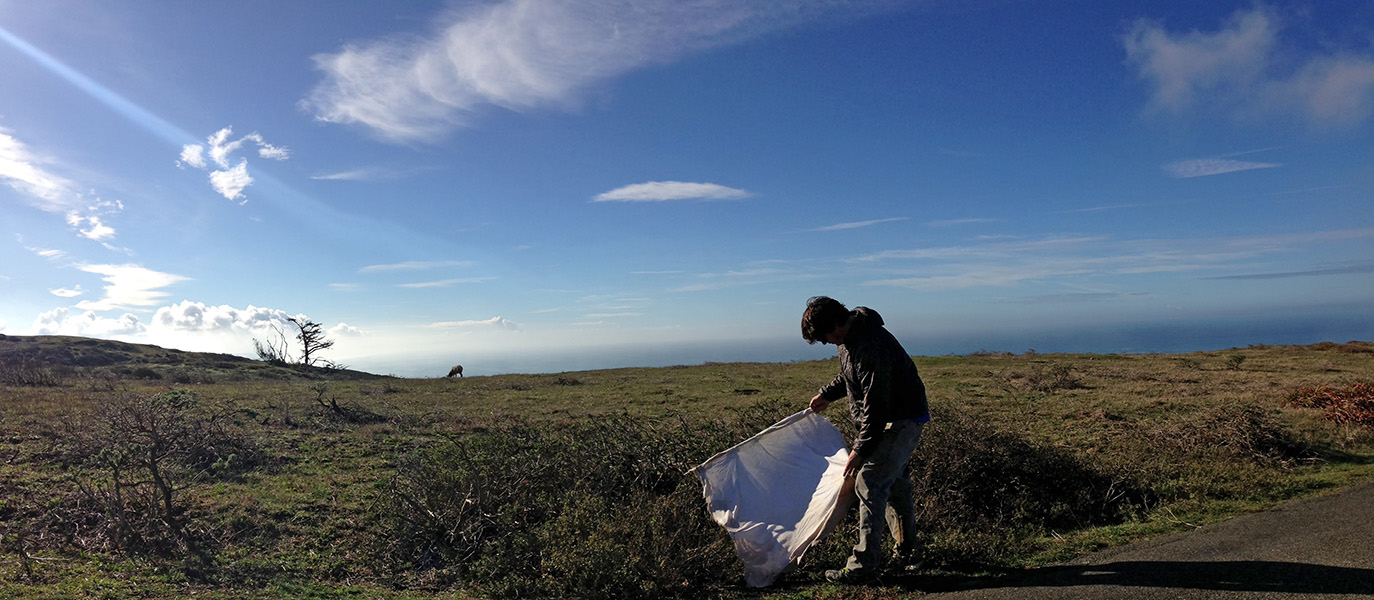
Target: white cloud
[[857, 224], [21, 170], [1212, 166], [90, 224], [1332, 89], [494, 323], [128, 286], [444, 282], [62, 321], [194, 155], [96, 230], [660, 191], [229, 181], [49, 253], [530, 54], [271, 152], [367, 174], [345, 330], [66, 293], [1181, 66], [415, 265], [1240, 68], [959, 222], [199, 317]]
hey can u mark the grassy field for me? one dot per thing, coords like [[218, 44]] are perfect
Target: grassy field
[[142, 473]]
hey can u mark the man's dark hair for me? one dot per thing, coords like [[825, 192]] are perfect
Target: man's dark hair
[[822, 315]]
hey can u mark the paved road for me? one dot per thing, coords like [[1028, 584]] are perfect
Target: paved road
[[1320, 547]]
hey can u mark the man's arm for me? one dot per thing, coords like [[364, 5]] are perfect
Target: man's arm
[[829, 393]]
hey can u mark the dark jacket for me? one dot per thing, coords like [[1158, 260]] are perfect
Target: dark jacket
[[879, 378]]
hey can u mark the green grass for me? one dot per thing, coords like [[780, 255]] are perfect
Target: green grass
[[1176, 440]]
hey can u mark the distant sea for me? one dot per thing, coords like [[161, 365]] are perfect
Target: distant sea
[[1163, 337]]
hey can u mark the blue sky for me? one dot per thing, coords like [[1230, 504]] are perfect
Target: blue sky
[[547, 185]]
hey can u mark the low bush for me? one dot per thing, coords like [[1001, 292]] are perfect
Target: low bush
[[132, 459], [982, 494], [606, 509], [29, 373], [603, 508], [1234, 431], [1351, 404]]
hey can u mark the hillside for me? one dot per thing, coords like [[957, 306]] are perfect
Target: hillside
[[61, 355], [577, 484]]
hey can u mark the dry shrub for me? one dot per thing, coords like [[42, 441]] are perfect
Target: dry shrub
[[1043, 379], [1352, 404], [29, 372], [1351, 347], [132, 459], [1238, 431], [603, 508], [981, 492]]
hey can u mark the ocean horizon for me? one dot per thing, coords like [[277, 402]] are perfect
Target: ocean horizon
[[1171, 337]]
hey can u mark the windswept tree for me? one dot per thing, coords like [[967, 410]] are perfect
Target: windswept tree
[[275, 349], [312, 340]]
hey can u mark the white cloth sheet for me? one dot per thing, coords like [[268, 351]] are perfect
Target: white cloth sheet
[[779, 492]]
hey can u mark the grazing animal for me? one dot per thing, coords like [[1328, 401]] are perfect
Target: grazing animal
[[456, 370]]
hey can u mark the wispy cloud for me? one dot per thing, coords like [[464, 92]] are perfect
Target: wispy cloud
[[366, 174], [48, 253], [959, 222], [983, 276], [227, 178], [24, 172], [1108, 207], [1212, 166], [67, 293], [1073, 297], [531, 55], [128, 286], [415, 265], [89, 222], [1244, 67], [662, 191], [753, 275], [493, 323], [856, 224], [1010, 263], [445, 282], [1355, 269], [989, 250]]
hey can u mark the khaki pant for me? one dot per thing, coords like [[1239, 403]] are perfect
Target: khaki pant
[[883, 487]]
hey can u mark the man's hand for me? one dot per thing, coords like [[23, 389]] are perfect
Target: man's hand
[[851, 468], [818, 404]]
